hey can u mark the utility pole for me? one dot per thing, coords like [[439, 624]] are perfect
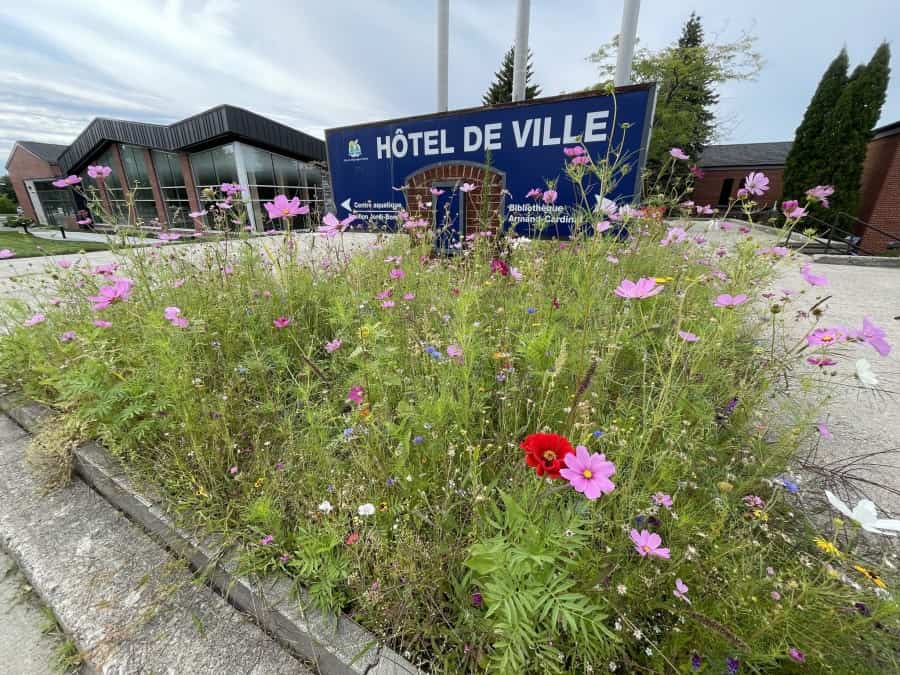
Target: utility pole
[[443, 42], [627, 37], [520, 60]]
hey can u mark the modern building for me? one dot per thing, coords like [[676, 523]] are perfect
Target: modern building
[[168, 167]]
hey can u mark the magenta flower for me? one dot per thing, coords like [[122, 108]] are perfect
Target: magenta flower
[[171, 313], [333, 226], [35, 320], [437, 192], [549, 196], [64, 264], [697, 172], [100, 323], [397, 273], [678, 153], [645, 287], [268, 539], [662, 499], [6, 253], [797, 655], [756, 183], [726, 300], [874, 337], [792, 209], [821, 362], [107, 295], [581, 160], [824, 431], [687, 336], [355, 395], [467, 187], [333, 345], [99, 171], [537, 193], [409, 296], [706, 210], [647, 543], [812, 279], [825, 337], [281, 207], [68, 336], [777, 251], [573, 151], [674, 235], [455, 352], [602, 226], [168, 236], [179, 322], [821, 193], [588, 473], [84, 221], [282, 322], [387, 304], [681, 590], [66, 182]]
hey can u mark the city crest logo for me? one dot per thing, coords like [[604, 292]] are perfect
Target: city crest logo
[[354, 149]]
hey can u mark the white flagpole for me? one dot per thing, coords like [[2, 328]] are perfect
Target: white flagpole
[[627, 37], [443, 42], [520, 60]]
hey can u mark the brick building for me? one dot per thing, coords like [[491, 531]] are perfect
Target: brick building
[[726, 166], [167, 168], [880, 196]]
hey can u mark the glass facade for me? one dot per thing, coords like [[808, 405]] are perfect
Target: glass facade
[[58, 205], [138, 178], [214, 167], [172, 186], [113, 184], [270, 174]]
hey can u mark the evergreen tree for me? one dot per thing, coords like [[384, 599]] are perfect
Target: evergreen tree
[[698, 95], [501, 88], [810, 158], [849, 130]]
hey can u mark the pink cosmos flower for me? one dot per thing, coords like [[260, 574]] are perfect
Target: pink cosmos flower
[[67, 181], [332, 226], [499, 266], [355, 395], [107, 295], [573, 151], [647, 543], [681, 590], [825, 337], [282, 207], [35, 320], [409, 296], [777, 251], [467, 187], [824, 431], [874, 337], [228, 269], [100, 323], [454, 351], [99, 171], [397, 273], [64, 264], [581, 160], [792, 209], [268, 539], [180, 322], [68, 336], [85, 221], [333, 345], [756, 183], [687, 336], [6, 253], [168, 236], [231, 189], [821, 193], [197, 214], [812, 279], [386, 293], [437, 192], [537, 193], [515, 274], [674, 235], [282, 322], [697, 172], [613, 259], [797, 655], [645, 287], [550, 196], [107, 269], [706, 210], [387, 304], [678, 153], [588, 473], [726, 300], [662, 499], [171, 313], [602, 226], [821, 362]]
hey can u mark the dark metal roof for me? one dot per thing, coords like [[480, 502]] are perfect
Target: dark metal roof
[[745, 155], [886, 130], [213, 126], [49, 152]]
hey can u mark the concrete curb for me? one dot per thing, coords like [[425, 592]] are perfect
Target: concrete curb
[[857, 260], [336, 644]]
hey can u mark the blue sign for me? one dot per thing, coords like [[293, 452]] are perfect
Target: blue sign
[[380, 168]]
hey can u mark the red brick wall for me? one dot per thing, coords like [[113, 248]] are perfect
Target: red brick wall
[[24, 165], [880, 194], [707, 189], [490, 187]]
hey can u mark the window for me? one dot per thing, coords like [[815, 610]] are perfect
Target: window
[[138, 179], [725, 194], [212, 168], [171, 184], [58, 204]]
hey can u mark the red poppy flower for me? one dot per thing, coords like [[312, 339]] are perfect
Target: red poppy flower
[[351, 538], [546, 452]]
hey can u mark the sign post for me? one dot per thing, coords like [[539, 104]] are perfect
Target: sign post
[[496, 155]]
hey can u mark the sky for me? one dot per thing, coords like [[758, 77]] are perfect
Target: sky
[[318, 64]]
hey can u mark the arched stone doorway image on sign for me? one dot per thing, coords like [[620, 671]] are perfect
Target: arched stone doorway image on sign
[[456, 213]]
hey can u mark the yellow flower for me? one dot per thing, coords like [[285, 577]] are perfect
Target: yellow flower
[[871, 575], [501, 355], [364, 332], [725, 486], [663, 280], [202, 492], [759, 514], [827, 547], [258, 483]]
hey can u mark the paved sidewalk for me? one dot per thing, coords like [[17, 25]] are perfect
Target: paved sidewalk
[[24, 649]]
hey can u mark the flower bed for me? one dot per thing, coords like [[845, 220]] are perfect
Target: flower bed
[[538, 456]]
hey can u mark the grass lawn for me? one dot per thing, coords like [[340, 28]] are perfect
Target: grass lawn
[[27, 246]]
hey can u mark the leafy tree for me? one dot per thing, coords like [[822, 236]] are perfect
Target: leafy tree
[[7, 205], [501, 88], [6, 189], [808, 162], [688, 73]]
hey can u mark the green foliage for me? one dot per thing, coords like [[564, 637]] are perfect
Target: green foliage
[[501, 88], [404, 509], [7, 205], [7, 190], [688, 73], [27, 245]]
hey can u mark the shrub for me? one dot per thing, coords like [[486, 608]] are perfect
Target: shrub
[[361, 424]]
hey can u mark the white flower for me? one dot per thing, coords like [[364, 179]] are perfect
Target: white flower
[[326, 507], [865, 374], [866, 515], [649, 651], [637, 634], [621, 589], [613, 666], [366, 510]]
